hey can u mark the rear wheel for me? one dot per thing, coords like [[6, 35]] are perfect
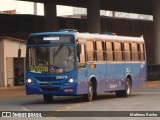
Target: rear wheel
[[89, 97], [127, 91], [48, 98]]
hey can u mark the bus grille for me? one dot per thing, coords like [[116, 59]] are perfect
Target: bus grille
[[50, 89], [47, 84], [46, 79]]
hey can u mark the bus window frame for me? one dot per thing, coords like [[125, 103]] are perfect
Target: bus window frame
[[111, 51], [84, 65], [133, 53], [117, 52], [94, 55], [127, 52], [100, 51], [141, 52]]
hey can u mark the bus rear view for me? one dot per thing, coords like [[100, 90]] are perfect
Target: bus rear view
[[51, 63]]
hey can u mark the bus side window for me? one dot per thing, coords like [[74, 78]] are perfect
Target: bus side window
[[90, 51], [134, 49], [82, 57], [127, 52], [109, 51], [118, 51], [141, 52], [99, 52]]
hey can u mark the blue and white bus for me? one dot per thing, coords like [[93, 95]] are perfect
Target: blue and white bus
[[68, 63]]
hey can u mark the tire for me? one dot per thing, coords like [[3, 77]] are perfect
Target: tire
[[47, 98], [89, 97], [127, 91]]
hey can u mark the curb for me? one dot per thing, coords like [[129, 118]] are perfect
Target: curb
[[152, 84], [12, 88]]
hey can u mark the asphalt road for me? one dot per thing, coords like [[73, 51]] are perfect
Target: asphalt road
[[144, 99]]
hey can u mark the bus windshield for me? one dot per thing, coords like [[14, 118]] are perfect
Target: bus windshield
[[51, 60]]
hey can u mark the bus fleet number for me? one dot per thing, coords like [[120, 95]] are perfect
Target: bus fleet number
[[61, 77]]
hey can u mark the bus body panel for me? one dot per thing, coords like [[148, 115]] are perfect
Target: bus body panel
[[135, 73], [143, 74], [82, 86], [112, 76]]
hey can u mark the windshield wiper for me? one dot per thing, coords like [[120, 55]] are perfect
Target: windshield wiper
[[57, 51]]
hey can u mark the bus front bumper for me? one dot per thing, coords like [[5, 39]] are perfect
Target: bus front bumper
[[56, 90]]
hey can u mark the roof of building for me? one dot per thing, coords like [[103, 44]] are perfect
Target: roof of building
[[12, 39]]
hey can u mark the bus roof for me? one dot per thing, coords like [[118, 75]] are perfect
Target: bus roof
[[51, 33], [88, 36]]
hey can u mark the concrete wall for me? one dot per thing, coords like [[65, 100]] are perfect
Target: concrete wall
[[10, 51], [2, 63], [13, 51]]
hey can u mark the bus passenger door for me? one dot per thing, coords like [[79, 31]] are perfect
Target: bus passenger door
[[82, 70]]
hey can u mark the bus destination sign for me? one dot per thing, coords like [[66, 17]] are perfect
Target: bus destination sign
[[51, 39]]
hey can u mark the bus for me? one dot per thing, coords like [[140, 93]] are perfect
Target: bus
[[69, 63]]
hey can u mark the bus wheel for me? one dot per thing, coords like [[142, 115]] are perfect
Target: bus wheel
[[127, 91], [48, 98], [89, 97]]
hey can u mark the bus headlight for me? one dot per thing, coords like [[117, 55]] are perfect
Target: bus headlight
[[71, 80], [29, 80]]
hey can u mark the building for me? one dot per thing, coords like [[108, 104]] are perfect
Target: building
[[12, 67]]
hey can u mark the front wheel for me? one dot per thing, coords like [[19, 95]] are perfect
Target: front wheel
[[127, 91], [89, 97], [48, 98]]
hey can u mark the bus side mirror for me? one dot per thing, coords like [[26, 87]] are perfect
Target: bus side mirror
[[79, 48], [19, 52]]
